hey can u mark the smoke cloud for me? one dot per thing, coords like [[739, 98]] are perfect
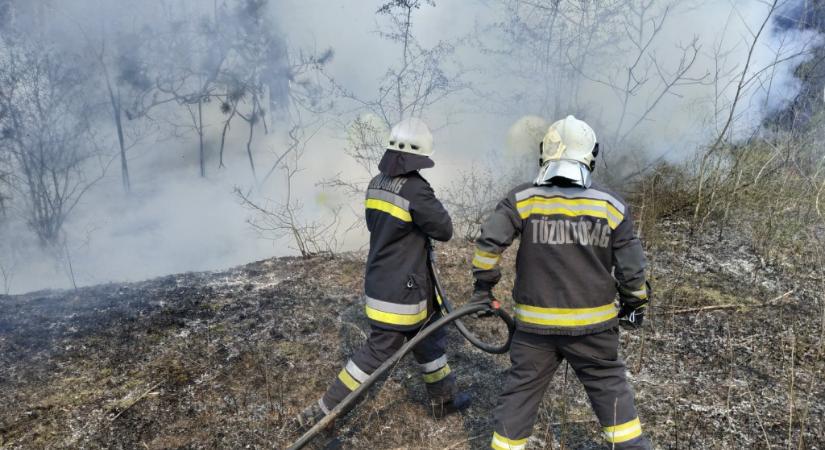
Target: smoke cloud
[[173, 220]]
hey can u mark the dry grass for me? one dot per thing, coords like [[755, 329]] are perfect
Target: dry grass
[[235, 354]]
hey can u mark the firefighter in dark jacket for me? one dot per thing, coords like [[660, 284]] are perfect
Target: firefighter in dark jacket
[[402, 214], [577, 249]]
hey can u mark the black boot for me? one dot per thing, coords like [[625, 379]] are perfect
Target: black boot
[[325, 439], [309, 417], [441, 407]]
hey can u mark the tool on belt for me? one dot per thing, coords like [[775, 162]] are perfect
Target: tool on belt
[[451, 315]]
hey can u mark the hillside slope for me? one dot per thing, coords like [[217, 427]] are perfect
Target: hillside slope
[[225, 359]]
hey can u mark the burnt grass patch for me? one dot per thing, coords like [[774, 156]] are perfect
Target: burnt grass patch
[[731, 356]]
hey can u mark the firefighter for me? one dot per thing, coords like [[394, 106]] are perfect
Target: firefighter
[[577, 249], [402, 214]]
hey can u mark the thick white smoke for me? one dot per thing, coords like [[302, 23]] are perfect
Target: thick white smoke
[[174, 221]]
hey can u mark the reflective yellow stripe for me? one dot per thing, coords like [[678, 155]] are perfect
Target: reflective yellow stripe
[[571, 202], [438, 375], [487, 254], [565, 317], [601, 209], [348, 380], [624, 432], [502, 443], [572, 193], [484, 260], [577, 311], [396, 319], [389, 208]]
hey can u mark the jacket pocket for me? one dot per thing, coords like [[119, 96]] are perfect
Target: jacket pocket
[[415, 288]]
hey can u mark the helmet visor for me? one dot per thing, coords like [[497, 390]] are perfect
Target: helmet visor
[[572, 171]]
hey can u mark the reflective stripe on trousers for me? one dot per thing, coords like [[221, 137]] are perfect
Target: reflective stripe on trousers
[[500, 442], [623, 432], [595, 360], [380, 345]]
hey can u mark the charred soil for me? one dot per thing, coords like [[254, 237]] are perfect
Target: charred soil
[[731, 356]]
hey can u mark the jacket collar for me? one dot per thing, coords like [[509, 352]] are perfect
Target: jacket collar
[[395, 163]]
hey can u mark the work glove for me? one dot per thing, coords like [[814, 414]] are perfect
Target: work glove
[[631, 317], [632, 310]]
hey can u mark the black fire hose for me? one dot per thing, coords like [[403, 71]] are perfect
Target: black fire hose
[[447, 307], [450, 316]]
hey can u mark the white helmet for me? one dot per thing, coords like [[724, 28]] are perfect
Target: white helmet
[[411, 136], [568, 151]]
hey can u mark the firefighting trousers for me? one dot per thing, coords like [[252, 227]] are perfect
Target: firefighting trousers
[[595, 360], [380, 345]]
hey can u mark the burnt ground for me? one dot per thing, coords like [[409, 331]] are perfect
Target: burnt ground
[[225, 359]]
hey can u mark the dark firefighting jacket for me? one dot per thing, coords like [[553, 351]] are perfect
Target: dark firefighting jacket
[[577, 249], [402, 213]]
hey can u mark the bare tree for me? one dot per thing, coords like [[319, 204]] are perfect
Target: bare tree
[[124, 79], [471, 196], [256, 76], [188, 58], [546, 43], [722, 161], [562, 49], [46, 133], [5, 181], [287, 216], [420, 79]]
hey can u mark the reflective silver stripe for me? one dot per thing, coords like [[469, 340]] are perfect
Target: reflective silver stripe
[[485, 260], [389, 197], [323, 406], [356, 372], [641, 293], [396, 308], [434, 365], [550, 204], [571, 193], [638, 293], [566, 317]]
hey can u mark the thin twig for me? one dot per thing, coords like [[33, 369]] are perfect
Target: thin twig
[[463, 441], [772, 302], [791, 392], [139, 398], [758, 417], [703, 309]]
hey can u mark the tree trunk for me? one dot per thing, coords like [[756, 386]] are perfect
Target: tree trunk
[[249, 146], [223, 134], [124, 165], [200, 139]]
